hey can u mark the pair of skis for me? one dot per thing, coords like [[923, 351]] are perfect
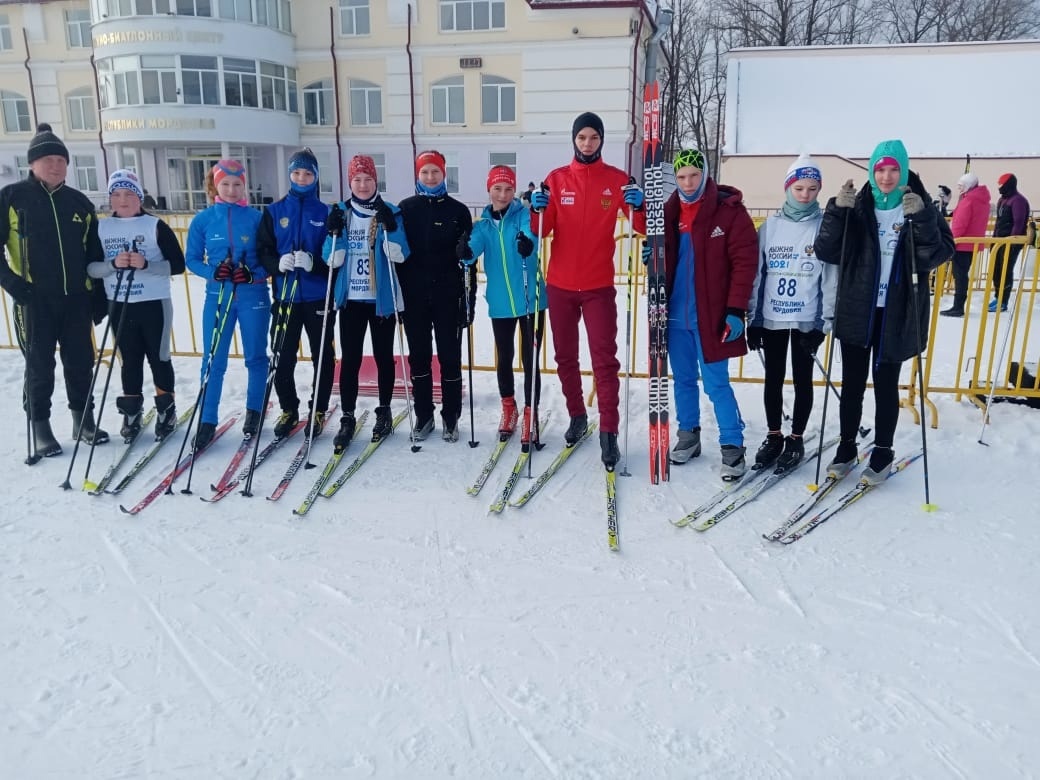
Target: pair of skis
[[102, 486], [657, 296]]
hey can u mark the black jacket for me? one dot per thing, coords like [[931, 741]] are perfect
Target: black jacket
[[859, 274], [432, 227], [61, 234]]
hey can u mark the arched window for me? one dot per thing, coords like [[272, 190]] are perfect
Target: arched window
[[497, 100], [448, 98], [366, 103], [81, 109], [16, 112], [318, 106]]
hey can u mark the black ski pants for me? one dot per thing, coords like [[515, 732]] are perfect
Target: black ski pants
[[354, 319], [427, 319], [774, 348], [1006, 257], [505, 346], [855, 364], [144, 335], [303, 316]]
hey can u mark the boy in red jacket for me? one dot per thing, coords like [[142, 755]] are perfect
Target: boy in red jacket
[[580, 210]]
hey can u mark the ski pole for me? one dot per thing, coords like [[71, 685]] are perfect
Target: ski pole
[[1000, 362], [316, 389], [67, 484], [911, 262], [535, 349], [23, 328], [628, 323], [219, 320], [467, 286], [285, 307], [830, 348], [87, 485], [394, 288], [863, 432]]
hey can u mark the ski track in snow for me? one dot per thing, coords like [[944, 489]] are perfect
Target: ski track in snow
[[398, 630]]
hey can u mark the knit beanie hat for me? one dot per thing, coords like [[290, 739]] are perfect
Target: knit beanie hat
[[303, 160], [361, 163], [45, 143], [968, 181], [590, 120], [691, 158], [501, 174], [228, 168], [802, 168], [431, 156], [125, 180]]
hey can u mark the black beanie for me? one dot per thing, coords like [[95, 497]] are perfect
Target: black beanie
[[44, 143], [588, 119]]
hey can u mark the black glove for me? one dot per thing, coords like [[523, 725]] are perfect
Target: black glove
[[756, 337], [242, 274], [335, 223], [20, 290], [524, 245], [385, 216], [466, 308], [223, 271], [98, 302], [811, 340], [462, 249]]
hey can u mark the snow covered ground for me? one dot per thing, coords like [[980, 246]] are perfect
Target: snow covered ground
[[398, 631]]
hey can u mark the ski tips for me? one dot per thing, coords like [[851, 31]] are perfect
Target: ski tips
[[929, 507]]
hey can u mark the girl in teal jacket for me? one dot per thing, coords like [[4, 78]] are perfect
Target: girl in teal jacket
[[515, 291]]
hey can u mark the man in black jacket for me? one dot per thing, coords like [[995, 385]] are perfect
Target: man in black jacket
[[56, 228]]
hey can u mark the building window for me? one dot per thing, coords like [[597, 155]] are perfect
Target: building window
[[354, 17], [16, 112], [22, 163], [366, 104], [5, 33], [451, 171], [278, 87], [502, 158], [77, 28], [159, 79], [274, 13], [318, 108], [497, 100], [457, 15], [326, 180], [119, 8], [449, 101], [153, 7], [86, 172], [240, 83], [118, 82], [380, 160], [240, 10], [201, 80], [194, 8], [82, 110]]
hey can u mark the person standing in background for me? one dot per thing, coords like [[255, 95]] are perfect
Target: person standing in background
[[1012, 216], [52, 291], [970, 218]]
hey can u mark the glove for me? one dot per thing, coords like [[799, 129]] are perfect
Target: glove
[[539, 200], [303, 260], [98, 303], [466, 311], [241, 274], [846, 197], [223, 271], [755, 338], [912, 203], [463, 251], [634, 197], [811, 340], [385, 216], [338, 258], [733, 325], [286, 263], [20, 290], [648, 251], [524, 245], [335, 221]]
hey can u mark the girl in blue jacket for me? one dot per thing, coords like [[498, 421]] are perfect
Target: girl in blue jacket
[[369, 238], [221, 248], [515, 290]]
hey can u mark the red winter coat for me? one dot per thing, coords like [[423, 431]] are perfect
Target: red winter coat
[[725, 261], [584, 201], [971, 215]]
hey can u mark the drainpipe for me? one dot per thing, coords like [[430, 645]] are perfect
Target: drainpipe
[[635, 108], [32, 90], [411, 82], [335, 93], [100, 134]]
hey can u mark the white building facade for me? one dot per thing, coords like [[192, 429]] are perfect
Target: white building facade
[[169, 86]]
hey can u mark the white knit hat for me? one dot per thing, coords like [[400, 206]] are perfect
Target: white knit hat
[[802, 168], [125, 180], [968, 181]]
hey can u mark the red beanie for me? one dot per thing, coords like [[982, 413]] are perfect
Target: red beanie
[[501, 174], [361, 163], [228, 168], [431, 157]]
